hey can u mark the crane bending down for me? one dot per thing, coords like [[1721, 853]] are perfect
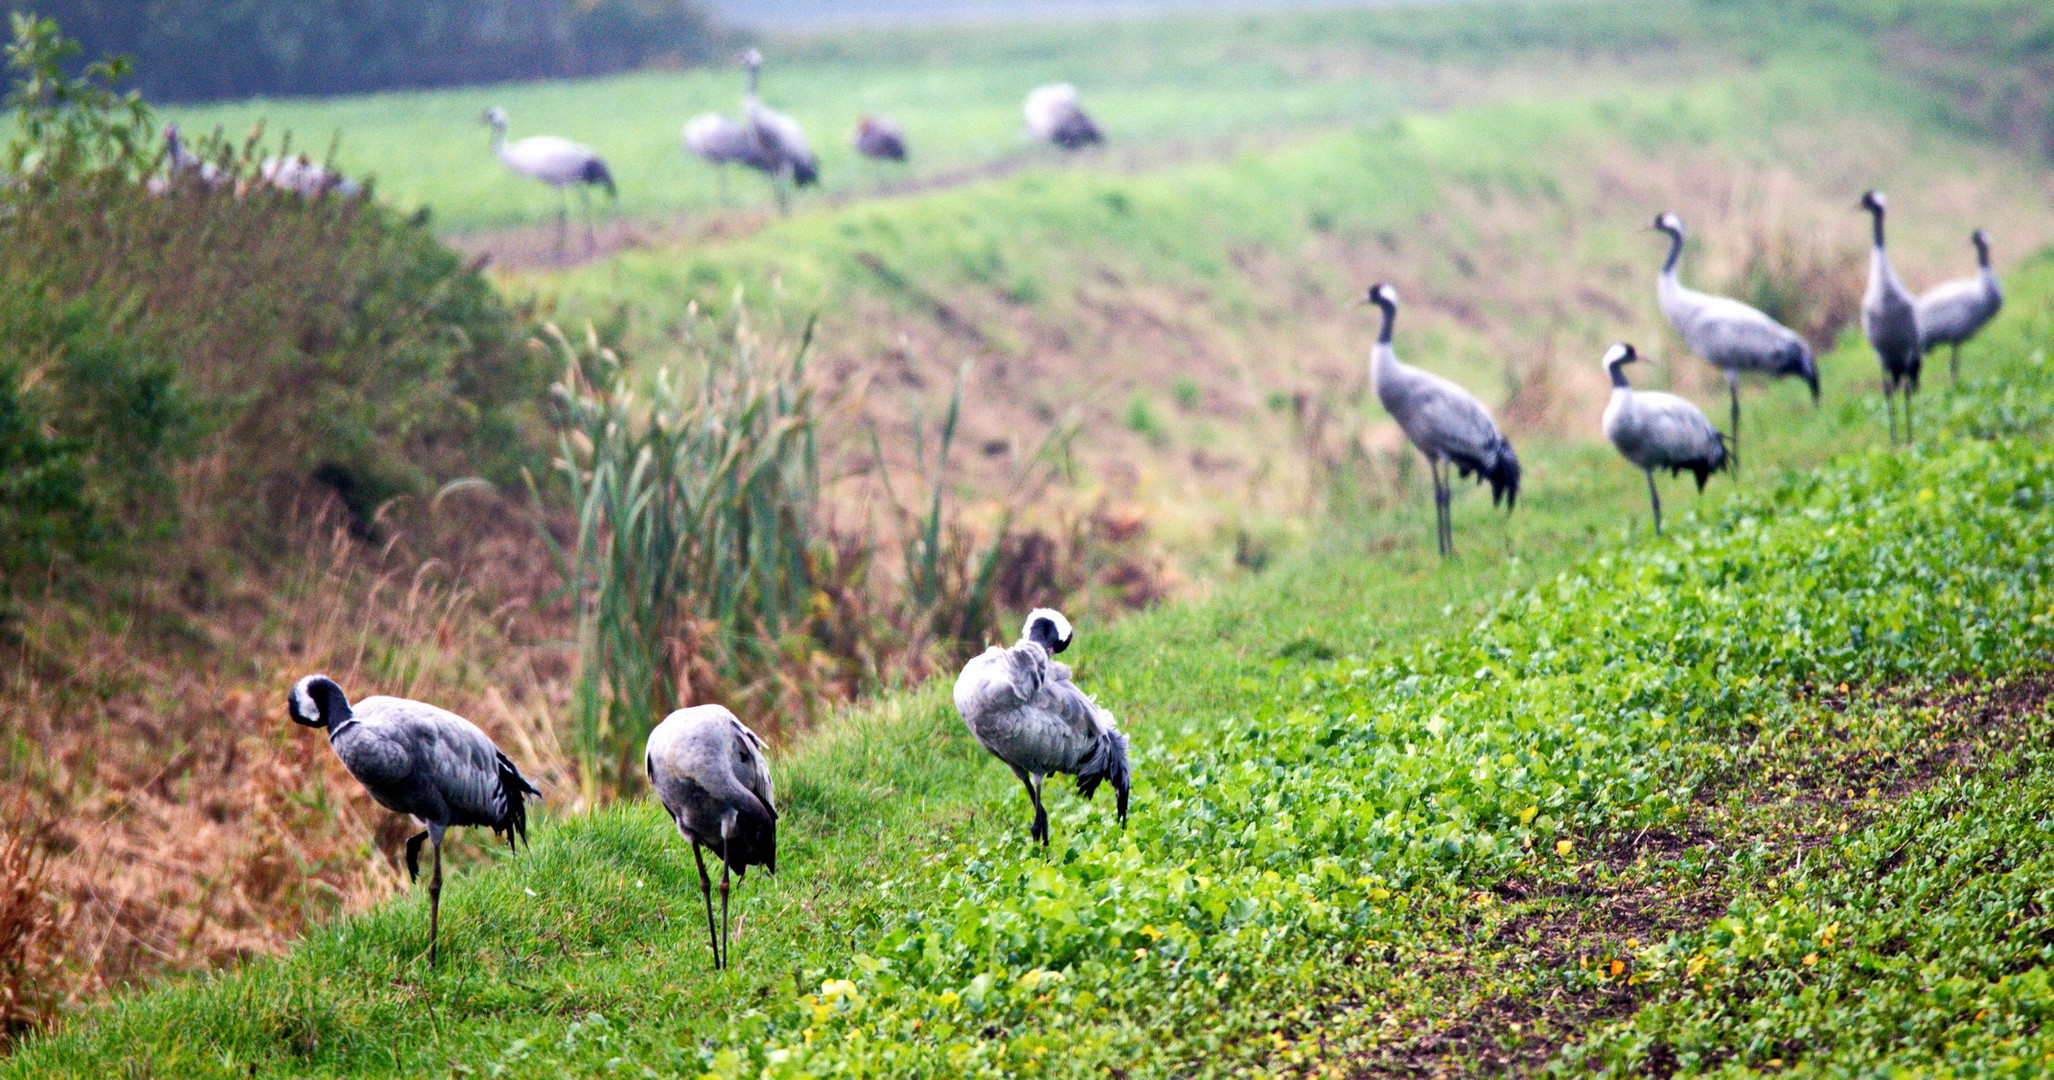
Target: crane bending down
[[1952, 313], [1054, 115], [1448, 425], [558, 162], [1659, 431], [1889, 319], [880, 138], [1728, 334], [1021, 706], [414, 758], [709, 772]]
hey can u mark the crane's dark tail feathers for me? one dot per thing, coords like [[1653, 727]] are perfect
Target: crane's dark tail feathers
[[595, 173], [516, 788], [1500, 469], [1108, 761], [805, 173], [1720, 460]]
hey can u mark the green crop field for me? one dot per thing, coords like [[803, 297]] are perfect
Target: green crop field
[[1770, 793]]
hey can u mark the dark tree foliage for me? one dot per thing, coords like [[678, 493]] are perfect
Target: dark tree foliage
[[199, 50]]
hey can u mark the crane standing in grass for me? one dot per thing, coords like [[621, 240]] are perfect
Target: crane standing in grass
[[721, 141], [184, 163], [1889, 319], [1054, 115], [1728, 334], [1659, 431], [783, 141], [558, 162], [709, 772], [1952, 313], [414, 758], [1021, 706], [1448, 425]]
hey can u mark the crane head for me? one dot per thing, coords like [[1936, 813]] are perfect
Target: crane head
[[1873, 202], [316, 701], [750, 58], [1622, 353], [1668, 223], [495, 116], [1981, 239], [1047, 628], [1382, 295]]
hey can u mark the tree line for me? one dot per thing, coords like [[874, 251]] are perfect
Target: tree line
[[204, 50]]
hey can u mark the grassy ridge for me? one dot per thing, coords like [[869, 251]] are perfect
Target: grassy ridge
[[1157, 83], [1308, 830]]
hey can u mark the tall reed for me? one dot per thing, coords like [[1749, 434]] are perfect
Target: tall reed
[[694, 560]]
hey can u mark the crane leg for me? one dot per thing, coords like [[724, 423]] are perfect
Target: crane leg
[[706, 892], [727, 946], [1654, 498], [435, 903], [1733, 440], [1890, 411], [1909, 392], [1954, 361], [1444, 523], [591, 219], [1038, 831]]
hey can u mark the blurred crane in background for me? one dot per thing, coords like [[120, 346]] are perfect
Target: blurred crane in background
[[1444, 421], [1055, 116], [1889, 319], [1728, 334], [558, 162], [1950, 314]]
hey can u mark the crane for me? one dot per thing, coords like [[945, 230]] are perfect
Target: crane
[[1659, 431], [1954, 312], [1055, 116], [1889, 319], [708, 771], [1020, 705], [1728, 334], [555, 161], [1444, 421], [415, 758]]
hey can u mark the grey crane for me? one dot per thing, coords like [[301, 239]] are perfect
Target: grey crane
[[1951, 313], [558, 162], [1021, 706], [709, 772], [1659, 431], [1728, 334], [1054, 115], [1443, 420], [880, 138], [184, 163], [414, 758], [780, 136], [1889, 319], [722, 141]]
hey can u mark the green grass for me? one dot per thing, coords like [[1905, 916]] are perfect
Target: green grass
[[1161, 85], [1306, 831]]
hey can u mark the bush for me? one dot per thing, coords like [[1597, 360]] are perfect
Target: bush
[[280, 339]]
